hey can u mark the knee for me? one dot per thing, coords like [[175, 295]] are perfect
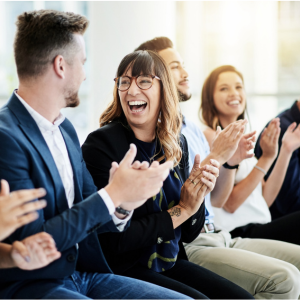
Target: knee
[[289, 281]]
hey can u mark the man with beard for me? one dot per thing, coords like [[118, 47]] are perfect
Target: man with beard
[[250, 263], [40, 148]]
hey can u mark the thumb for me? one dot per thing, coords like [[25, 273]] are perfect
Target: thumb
[[4, 188], [113, 169], [20, 252], [129, 157], [218, 130], [196, 162], [292, 127]]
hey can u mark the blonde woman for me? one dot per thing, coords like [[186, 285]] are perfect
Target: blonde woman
[[145, 112]]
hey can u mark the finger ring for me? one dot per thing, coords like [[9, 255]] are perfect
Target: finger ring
[[192, 181]]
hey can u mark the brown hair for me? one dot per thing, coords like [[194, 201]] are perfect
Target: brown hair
[[207, 107], [170, 120], [157, 44], [41, 36]]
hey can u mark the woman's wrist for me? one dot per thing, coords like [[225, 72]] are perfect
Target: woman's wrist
[[286, 149], [265, 163]]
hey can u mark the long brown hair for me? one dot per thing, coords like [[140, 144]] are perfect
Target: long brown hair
[[170, 119], [208, 112]]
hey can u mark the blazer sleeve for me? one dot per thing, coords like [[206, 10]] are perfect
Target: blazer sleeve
[[67, 228], [191, 228], [99, 150]]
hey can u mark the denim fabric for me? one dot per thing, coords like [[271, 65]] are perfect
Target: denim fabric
[[81, 285]]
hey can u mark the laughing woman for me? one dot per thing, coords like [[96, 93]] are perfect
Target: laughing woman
[[145, 112], [246, 211]]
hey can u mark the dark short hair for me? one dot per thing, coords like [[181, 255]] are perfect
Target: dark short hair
[[156, 44], [41, 36]]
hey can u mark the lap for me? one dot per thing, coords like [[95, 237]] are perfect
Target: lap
[[142, 273], [253, 264], [192, 280], [94, 286], [283, 229]]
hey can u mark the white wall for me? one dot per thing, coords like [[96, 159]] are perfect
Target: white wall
[[116, 29]]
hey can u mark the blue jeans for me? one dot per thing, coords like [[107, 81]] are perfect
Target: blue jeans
[[82, 285]]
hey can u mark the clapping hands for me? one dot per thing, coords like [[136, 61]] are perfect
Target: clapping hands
[[34, 252], [291, 138], [269, 139], [200, 182]]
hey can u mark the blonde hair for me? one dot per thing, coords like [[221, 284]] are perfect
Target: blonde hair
[[170, 118]]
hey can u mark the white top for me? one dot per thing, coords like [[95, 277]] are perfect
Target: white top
[[58, 149], [253, 210]]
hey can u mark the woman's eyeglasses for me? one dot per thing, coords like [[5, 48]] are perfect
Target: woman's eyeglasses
[[144, 82]]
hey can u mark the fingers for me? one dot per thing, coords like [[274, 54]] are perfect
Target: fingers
[[136, 165], [18, 198], [4, 188], [140, 166], [27, 219], [215, 163], [28, 207], [209, 184], [155, 164], [249, 155], [40, 237], [129, 157], [211, 169], [250, 135], [162, 171], [53, 256], [276, 135]]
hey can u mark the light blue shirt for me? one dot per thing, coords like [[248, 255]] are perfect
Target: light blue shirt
[[197, 144]]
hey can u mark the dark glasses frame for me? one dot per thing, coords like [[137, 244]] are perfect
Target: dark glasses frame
[[135, 78]]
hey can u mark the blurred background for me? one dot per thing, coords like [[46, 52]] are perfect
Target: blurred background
[[261, 39]]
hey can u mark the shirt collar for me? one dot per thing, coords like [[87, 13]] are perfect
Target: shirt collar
[[42, 122]]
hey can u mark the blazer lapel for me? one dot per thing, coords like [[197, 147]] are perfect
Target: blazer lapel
[[34, 135]]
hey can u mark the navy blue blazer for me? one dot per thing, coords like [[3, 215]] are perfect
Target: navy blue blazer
[[288, 198], [26, 162]]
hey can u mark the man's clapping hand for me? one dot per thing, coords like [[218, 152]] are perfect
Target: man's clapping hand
[[131, 184]]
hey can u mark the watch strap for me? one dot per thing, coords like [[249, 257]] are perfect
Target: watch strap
[[122, 211], [227, 166]]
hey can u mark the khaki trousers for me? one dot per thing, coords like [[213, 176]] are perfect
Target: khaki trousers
[[267, 269]]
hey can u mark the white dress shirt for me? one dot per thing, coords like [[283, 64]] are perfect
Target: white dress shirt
[[58, 149]]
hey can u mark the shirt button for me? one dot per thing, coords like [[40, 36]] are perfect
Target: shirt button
[[159, 240], [71, 258], [194, 221]]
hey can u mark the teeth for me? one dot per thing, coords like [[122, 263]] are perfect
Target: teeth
[[234, 102], [137, 110], [137, 102]]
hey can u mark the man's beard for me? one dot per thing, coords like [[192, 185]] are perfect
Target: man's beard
[[72, 100], [184, 97]]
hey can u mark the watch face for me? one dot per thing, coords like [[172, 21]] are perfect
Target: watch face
[[122, 211]]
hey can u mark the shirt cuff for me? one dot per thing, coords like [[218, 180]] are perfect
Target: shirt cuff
[[121, 223], [107, 200]]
